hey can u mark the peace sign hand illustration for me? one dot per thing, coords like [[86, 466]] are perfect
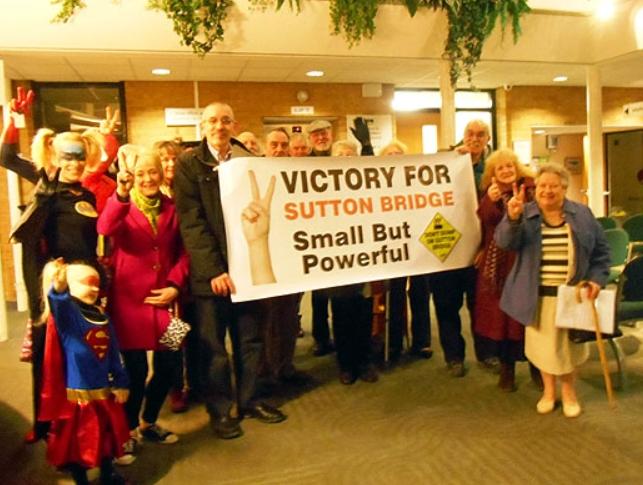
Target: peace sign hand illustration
[[256, 216], [255, 220]]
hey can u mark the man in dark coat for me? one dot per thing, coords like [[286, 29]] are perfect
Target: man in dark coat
[[198, 202]]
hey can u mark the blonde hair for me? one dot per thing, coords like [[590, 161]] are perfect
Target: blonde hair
[[500, 156], [93, 159], [167, 145], [42, 152], [338, 145], [144, 155], [92, 148], [395, 143]]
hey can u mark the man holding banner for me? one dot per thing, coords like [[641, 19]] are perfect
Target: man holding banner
[[450, 287], [198, 202], [338, 221]]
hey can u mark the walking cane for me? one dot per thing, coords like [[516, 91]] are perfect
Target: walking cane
[[601, 348]]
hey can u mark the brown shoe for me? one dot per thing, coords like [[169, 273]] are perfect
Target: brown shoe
[[369, 374], [507, 381]]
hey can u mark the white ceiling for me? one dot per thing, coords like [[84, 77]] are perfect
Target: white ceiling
[[401, 53]]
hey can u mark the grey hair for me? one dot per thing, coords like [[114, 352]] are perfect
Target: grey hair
[[338, 145], [556, 169]]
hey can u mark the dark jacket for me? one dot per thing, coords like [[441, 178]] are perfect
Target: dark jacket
[[591, 252], [198, 202]]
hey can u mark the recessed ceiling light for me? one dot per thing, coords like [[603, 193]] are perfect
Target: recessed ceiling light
[[560, 79], [160, 71], [539, 132], [605, 10], [315, 73]]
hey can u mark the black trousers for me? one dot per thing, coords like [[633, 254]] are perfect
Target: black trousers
[[216, 316], [352, 317], [321, 330], [449, 289], [419, 296], [155, 392], [38, 333]]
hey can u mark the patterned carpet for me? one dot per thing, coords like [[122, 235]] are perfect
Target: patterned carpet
[[416, 425]]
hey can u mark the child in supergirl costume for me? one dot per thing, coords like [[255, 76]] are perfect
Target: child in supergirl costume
[[84, 381]]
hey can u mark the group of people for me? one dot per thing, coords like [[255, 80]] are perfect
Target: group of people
[[160, 214]]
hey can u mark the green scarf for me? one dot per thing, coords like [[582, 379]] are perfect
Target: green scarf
[[149, 206]]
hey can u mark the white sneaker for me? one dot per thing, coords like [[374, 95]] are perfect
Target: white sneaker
[[571, 409], [129, 453], [545, 405]]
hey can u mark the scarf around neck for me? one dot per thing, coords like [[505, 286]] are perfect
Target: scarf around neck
[[149, 206]]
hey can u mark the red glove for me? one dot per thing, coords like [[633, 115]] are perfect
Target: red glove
[[22, 103], [19, 105]]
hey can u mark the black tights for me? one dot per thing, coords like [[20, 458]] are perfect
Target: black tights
[[107, 475]]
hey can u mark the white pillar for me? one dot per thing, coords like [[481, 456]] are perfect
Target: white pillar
[[197, 102], [447, 112], [596, 173]]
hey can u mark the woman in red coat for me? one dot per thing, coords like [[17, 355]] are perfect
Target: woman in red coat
[[150, 267], [502, 171]]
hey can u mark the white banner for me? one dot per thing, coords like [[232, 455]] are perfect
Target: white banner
[[298, 224]]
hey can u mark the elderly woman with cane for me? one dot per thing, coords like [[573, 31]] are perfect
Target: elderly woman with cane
[[558, 242]]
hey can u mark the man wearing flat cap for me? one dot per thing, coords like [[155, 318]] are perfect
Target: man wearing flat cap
[[320, 134]]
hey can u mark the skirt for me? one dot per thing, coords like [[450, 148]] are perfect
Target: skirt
[[548, 347], [91, 432]]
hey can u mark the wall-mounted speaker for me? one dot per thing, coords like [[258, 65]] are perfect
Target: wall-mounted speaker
[[371, 90]]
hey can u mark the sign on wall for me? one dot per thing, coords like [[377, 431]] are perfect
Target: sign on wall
[[183, 116], [301, 224]]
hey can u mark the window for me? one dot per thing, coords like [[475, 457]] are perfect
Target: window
[[416, 100], [78, 106]]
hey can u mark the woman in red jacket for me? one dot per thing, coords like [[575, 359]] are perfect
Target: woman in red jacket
[[150, 268], [492, 325]]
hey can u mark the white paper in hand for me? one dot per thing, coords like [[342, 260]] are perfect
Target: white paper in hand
[[571, 314]]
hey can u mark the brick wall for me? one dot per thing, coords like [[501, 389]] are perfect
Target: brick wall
[[250, 101], [517, 111]]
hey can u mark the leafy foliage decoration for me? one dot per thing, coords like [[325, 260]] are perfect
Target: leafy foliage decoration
[[68, 9], [199, 23]]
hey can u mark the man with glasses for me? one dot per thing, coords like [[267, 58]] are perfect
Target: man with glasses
[[198, 202]]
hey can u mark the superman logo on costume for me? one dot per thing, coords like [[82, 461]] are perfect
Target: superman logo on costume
[[98, 341]]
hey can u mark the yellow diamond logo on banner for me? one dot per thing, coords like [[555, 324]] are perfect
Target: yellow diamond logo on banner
[[440, 237]]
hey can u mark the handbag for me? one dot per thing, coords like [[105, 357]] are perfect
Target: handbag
[[176, 330]]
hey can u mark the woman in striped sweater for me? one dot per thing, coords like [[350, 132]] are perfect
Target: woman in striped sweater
[[558, 242]]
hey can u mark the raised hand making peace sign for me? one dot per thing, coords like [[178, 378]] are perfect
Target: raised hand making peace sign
[[21, 104], [108, 125], [516, 204]]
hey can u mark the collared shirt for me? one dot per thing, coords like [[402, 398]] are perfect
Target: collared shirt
[[217, 155]]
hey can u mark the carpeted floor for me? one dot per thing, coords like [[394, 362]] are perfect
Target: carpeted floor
[[416, 425]]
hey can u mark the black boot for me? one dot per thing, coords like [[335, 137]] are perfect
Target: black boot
[[507, 381]]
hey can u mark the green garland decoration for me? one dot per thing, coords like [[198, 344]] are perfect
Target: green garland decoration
[[199, 23], [68, 9]]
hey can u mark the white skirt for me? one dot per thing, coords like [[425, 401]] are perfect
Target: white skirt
[[548, 347]]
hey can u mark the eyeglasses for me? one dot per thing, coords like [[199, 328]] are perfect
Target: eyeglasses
[[225, 121]]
